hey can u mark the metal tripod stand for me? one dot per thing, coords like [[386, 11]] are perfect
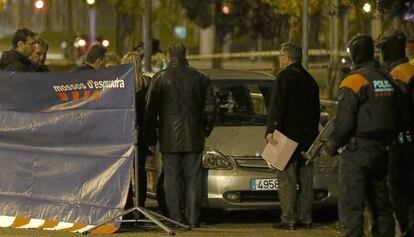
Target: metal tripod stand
[[151, 216]]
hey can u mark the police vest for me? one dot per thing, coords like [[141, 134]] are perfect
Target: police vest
[[377, 104]]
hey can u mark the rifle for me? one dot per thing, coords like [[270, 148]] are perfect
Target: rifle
[[316, 146]]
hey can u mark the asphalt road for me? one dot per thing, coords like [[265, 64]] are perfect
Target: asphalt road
[[217, 223]]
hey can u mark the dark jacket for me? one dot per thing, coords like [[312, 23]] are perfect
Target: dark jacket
[[295, 109], [139, 123], [12, 60], [403, 74], [41, 68], [140, 108], [183, 100], [84, 67], [366, 107]]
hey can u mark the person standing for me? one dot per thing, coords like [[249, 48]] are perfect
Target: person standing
[[158, 58], [111, 60], [139, 49], [95, 58], [17, 58], [39, 55], [183, 100], [392, 46], [295, 112], [363, 127], [141, 83]]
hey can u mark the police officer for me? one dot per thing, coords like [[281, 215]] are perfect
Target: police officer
[[363, 127], [392, 46]]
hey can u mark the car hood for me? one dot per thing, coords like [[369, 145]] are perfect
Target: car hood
[[238, 141]]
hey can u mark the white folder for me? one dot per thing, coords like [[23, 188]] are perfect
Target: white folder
[[278, 156]]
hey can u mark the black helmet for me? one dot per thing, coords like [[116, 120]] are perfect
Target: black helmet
[[361, 48], [392, 46]]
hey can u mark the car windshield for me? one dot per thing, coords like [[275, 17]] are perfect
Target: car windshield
[[242, 102]]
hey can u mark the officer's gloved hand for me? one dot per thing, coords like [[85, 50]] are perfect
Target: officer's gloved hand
[[329, 149]]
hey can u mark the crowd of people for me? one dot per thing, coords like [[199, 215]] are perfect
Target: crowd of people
[[28, 53], [372, 128], [163, 101]]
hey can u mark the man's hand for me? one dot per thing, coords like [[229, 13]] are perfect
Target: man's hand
[[269, 138]]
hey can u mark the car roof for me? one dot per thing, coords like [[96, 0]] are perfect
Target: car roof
[[226, 74]]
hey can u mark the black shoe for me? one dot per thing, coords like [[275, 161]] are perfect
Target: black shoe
[[284, 226], [304, 225]]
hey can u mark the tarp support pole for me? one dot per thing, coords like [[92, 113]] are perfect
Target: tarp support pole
[[150, 215]]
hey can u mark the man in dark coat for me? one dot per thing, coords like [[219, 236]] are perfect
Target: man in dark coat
[[94, 58], [182, 99], [17, 58], [294, 112], [363, 127]]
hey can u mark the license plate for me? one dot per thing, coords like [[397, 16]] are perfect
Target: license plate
[[263, 184]]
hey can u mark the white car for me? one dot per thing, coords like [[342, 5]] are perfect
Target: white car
[[236, 177]]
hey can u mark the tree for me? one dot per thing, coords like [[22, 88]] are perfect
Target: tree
[[391, 10], [393, 7], [254, 18], [293, 9], [70, 32], [128, 13]]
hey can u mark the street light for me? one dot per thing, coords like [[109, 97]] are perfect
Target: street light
[[105, 43], [367, 7], [39, 4], [82, 42]]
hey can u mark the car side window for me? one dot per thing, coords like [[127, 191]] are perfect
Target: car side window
[[242, 103], [234, 100]]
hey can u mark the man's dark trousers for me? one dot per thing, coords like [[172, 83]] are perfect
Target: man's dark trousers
[[402, 185], [183, 168], [363, 180], [296, 204]]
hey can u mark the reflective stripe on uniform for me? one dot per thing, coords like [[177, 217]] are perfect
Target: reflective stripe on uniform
[[403, 72], [354, 82]]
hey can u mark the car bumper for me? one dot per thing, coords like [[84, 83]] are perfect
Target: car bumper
[[225, 185]]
